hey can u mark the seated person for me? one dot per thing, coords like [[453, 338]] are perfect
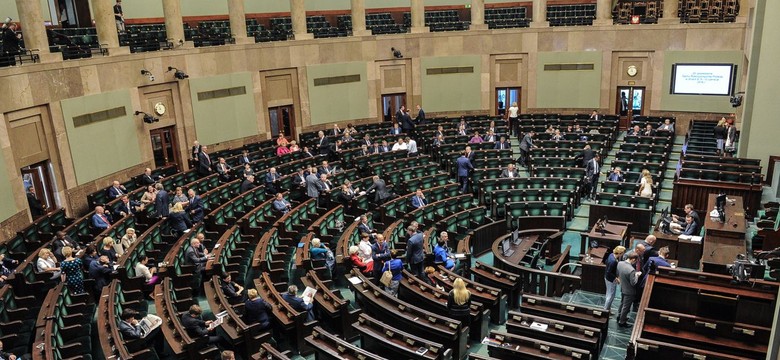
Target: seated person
[[256, 310], [509, 172], [126, 207], [357, 261], [686, 228], [178, 220], [7, 266], [101, 220], [47, 263], [247, 184], [297, 303], [281, 205], [318, 250], [148, 273], [196, 255], [130, 328], [232, 290], [655, 261], [441, 252], [667, 126], [476, 139], [109, 249], [557, 135], [615, 175], [418, 200], [61, 240], [688, 208], [364, 228], [648, 131], [193, 323], [635, 131]]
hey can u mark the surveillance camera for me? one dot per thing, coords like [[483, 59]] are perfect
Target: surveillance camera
[[396, 53], [151, 77]]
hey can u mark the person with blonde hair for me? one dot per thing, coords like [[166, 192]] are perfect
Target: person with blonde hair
[[47, 263], [719, 132], [459, 302], [610, 274], [178, 220], [646, 188], [71, 271], [128, 239], [514, 124], [109, 248]]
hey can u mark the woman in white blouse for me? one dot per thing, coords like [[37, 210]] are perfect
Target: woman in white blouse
[[47, 263], [148, 273]]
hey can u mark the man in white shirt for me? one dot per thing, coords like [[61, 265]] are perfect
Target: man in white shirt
[[411, 146]]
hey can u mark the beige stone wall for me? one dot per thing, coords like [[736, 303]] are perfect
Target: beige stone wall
[[47, 84]]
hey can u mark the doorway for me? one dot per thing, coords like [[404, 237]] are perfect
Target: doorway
[[38, 178], [505, 97], [630, 102], [165, 148], [390, 105], [282, 120]]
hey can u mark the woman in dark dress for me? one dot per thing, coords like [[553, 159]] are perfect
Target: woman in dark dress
[[459, 302]]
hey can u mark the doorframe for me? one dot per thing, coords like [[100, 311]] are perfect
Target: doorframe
[[293, 128], [630, 114], [176, 146], [49, 191], [185, 133], [393, 107], [508, 104]]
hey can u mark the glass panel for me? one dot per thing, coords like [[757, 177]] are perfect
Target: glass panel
[[501, 101], [286, 120], [637, 103], [274, 119], [624, 102], [514, 97], [169, 147], [387, 108], [157, 150]]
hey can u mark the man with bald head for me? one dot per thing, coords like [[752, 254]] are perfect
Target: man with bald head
[[116, 190], [146, 178], [650, 249]]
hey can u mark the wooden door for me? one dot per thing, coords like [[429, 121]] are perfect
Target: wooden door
[[165, 147]]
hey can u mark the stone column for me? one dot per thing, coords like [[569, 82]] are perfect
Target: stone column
[[103, 16], [359, 18], [478, 15], [298, 15], [418, 17], [670, 13], [540, 14], [33, 30], [174, 26], [604, 12], [238, 21]]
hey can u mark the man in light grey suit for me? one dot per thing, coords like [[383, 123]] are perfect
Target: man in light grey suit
[[380, 190], [312, 185], [628, 278]]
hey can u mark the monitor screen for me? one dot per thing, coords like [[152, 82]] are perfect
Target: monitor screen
[[720, 201], [702, 79]]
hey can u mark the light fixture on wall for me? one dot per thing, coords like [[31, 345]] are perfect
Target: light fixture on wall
[[147, 73], [149, 119], [178, 73], [396, 53]]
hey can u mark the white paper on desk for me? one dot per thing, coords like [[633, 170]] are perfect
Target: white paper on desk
[[308, 295], [696, 238], [684, 237], [538, 326], [460, 256], [355, 280]]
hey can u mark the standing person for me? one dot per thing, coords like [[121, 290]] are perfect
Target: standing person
[[414, 251], [514, 122], [11, 44], [646, 188], [592, 175], [731, 137], [256, 310], [64, 21], [161, 201], [71, 270], [36, 207], [610, 274], [204, 162], [119, 17], [380, 190], [526, 145], [464, 169], [195, 206], [420, 118], [195, 152], [380, 253], [720, 135], [627, 277], [459, 302]]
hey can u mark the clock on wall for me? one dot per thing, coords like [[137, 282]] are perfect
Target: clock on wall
[[159, 109], [632, 70]]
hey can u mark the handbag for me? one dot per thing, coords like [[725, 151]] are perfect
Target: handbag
[[387, 277]]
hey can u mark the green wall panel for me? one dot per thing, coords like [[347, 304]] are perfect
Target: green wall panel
[[103, 147], [451, 92], [224, 118], [338, 102], [8, 205], [696, 103], [568, 88]]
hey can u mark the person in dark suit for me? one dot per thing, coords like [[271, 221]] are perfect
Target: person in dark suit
[[195, 152], [420, 118], [195, 326], [256, 310], [36, 208], [650, 249], [300, 178], [648, 131], [395, 130], [244, 159], [247, 184], [502, 144], [313, 186], [439, 131], [345, 197], [116, 190], [307, 152], [526, 145], [418, 200], [384, 148], [323, 143], [438, 140], [381, 194], [635, 131], [325, 169], [232, 290], [101, 271], [11, 43], [223, 169], [204, 162], [363, 227], [271, 179], [196, 255], [147, 178], [195, 206], [101, 219], [509, 172], [464, 169], [680, 224], [61, 240], [586, 155], [407, 125], [616, 175], [414, 251], [178, 220], [380, 252], [130, 329], [126, 207], [595, 115], [298, 304], [592, 176], [399, 115], [161, 201]]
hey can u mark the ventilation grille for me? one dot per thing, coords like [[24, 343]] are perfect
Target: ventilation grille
[[221, 93], [568, 67], [450, 70], [94, 117], [334, 80]]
